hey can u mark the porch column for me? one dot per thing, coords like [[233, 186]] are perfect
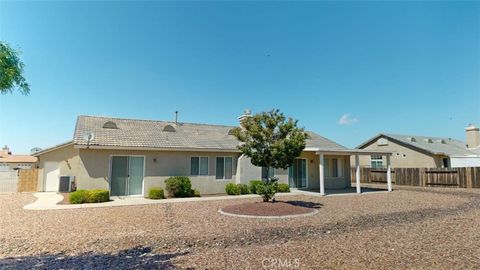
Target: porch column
[[389, 174], [322, 175], [357, 174]]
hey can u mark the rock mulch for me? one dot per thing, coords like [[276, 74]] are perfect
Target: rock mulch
[[415, 228], [278, 208]]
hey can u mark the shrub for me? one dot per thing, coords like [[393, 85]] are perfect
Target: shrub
[[194, 193], [79, 196], [156, 193], [283, 187], [89, 196], [268, 189], [232, 189], [254, 184], [178, 186], [98, 196], [243, 189]]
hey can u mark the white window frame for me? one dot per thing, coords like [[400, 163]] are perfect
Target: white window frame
[[223, 179], [199, 163], [378, 158], [329, 169]]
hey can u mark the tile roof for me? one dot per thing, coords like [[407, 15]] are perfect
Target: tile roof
[[433, 145], [152, 134], [17, 158]]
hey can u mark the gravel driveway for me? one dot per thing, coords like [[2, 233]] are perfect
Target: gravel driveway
[[409, 228]]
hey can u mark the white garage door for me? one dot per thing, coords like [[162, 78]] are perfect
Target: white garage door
[[52, 172]]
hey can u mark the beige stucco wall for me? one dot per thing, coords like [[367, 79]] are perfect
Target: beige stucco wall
[[402, 157], [97, 169], [91, 168], [69, 162]]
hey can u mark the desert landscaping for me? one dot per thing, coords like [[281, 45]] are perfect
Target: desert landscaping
[[409, 228]]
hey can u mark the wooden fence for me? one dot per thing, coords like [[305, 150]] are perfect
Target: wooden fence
[[424, 177], [27, 180]]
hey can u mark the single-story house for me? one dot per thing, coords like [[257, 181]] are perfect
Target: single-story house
[[128, 157], [412, 151], [9, 162]]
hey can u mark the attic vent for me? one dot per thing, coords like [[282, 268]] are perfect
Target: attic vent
[[429, 140], [411, 139], [382, 141], [110, 125], [169, 128], [231, 131]]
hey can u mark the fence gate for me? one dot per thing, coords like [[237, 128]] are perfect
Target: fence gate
[[8, 181]]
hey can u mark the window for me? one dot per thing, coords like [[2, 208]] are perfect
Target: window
[[224, 168], [271, 172], [199, 166], [333, 167], [376, 161]]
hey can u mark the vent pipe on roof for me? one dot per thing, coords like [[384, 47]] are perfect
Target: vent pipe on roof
[[176, 117]]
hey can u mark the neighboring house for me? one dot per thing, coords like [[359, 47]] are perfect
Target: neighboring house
[[410, 151], [129, 156], [10, 162]]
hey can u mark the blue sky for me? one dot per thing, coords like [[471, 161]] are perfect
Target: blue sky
[[396, 67]]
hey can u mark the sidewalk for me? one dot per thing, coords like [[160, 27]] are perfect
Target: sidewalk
[[49, 200]]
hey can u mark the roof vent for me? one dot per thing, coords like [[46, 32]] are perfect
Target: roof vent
[[442, 141], [429, 140], [382, 141], [411, 139], [168, 128], [110, 125]]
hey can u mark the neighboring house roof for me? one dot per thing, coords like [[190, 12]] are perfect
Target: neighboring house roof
[[6, 158], [432, 145], [150, 134], [49, 149]]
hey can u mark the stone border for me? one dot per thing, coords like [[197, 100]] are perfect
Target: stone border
[[314, 212]]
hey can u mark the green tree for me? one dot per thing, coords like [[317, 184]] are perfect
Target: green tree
[[11, 71], [270, 140]]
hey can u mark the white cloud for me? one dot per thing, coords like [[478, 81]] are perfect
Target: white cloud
[[346, 119]]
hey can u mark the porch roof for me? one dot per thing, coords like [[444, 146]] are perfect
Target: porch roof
[[347, 152]]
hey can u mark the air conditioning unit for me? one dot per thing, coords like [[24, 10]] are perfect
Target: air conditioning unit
[[67, 184]]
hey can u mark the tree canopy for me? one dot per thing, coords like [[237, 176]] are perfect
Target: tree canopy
[[11, 71], [269, 139]]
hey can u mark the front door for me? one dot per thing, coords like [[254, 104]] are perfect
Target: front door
[[126, 176]]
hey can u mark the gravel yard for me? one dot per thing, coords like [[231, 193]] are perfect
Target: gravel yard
[[408, 228]]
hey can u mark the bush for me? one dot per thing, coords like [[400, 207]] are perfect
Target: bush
[[232, 189], [156, 193], [283, 187], [194, 193], [268, 189], [178, 186], [254, 184], [79, 196], [98, 196], [89, 196], [243, 189]]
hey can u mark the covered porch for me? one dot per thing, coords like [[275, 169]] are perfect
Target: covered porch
[[356, 153], [328, 171]]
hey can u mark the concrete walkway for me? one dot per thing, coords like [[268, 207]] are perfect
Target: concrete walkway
[[49, 200]]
